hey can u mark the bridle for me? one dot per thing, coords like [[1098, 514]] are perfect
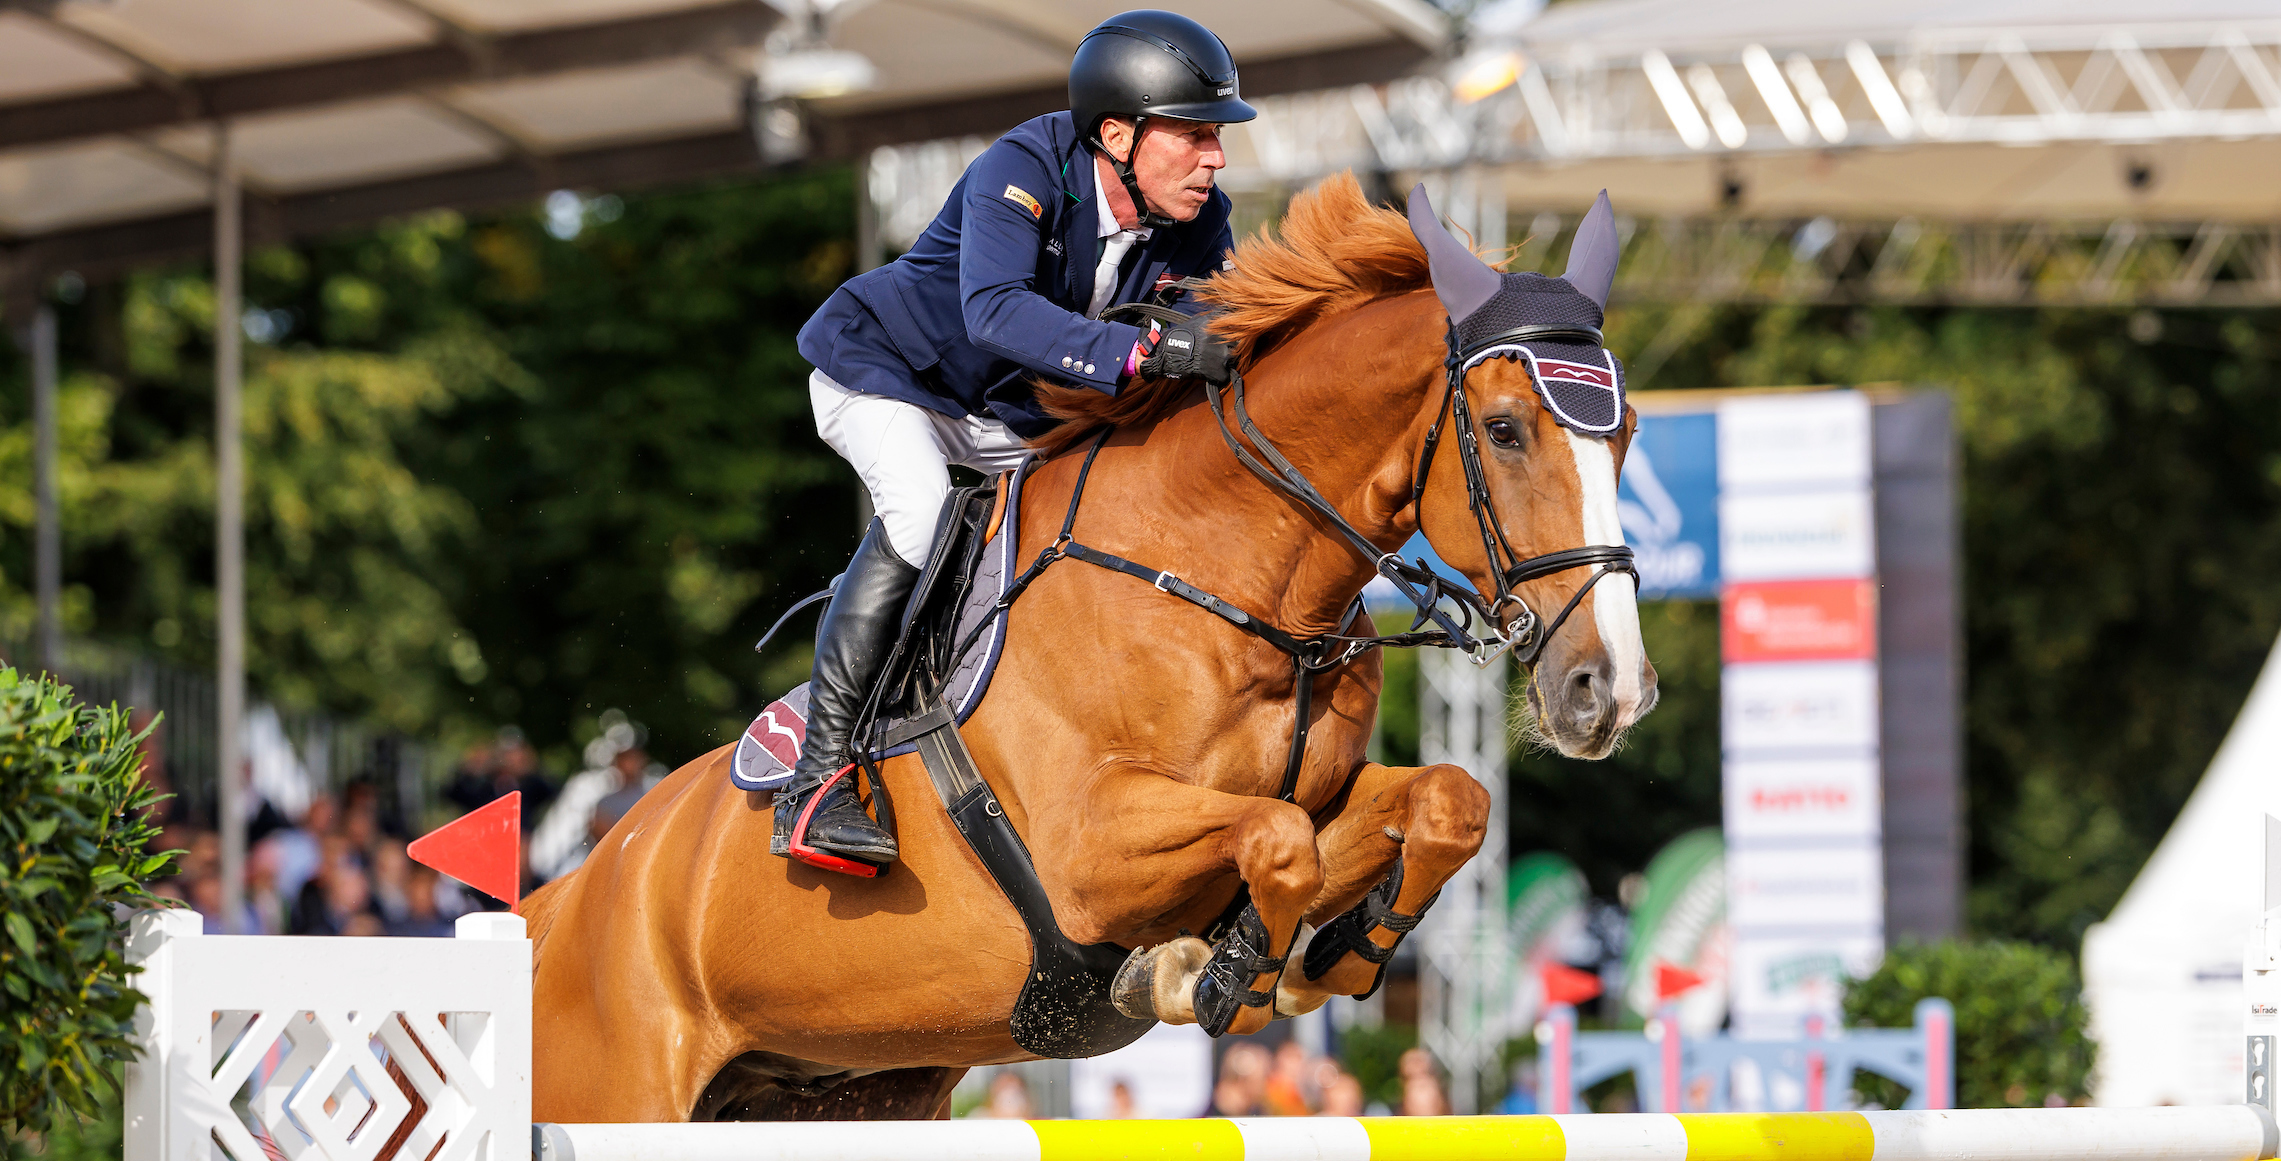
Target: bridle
[[1507, 568], [1526, 634]]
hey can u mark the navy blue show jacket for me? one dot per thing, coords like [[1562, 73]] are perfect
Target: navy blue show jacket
[[994, 292]]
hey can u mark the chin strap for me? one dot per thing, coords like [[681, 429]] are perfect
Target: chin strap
[[1148, 217]]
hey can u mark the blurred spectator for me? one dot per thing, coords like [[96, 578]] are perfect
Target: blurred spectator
[[1285, 1093], [1122, 1106], [299, 853], [360, 815], [511, 765], [391, 881], [1421, 1086], [617, 773], [423, 915], [1009, 1098], [1342, 1093], [271, 914], [1522, 1098], [1243, 1080], [341, 891]]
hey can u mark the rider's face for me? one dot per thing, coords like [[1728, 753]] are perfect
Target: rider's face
[[1175, 165]]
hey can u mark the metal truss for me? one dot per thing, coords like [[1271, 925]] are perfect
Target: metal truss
[[1565, 102], [1910, 261], [1548, 102]]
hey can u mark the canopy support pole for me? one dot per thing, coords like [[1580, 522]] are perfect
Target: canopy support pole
[[47, 536], [229, 534]]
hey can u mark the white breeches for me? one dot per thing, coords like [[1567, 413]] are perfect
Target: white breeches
[[903, 452]]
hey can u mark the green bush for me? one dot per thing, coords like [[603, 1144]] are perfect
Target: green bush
[[72, 862], [1373, 1053], [2020, 1023]]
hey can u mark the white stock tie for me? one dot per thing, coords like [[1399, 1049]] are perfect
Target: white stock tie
[[1105, 275]]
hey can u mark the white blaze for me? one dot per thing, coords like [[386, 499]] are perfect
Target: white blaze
[[1615, 601]]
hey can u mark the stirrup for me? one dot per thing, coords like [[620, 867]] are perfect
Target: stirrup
[[797, 842], [1240, 955], [1351, 931]]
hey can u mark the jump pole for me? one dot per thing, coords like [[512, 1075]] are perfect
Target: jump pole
[[2213, 1133]]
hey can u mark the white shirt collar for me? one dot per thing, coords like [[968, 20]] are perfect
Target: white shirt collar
[[1109, 225]]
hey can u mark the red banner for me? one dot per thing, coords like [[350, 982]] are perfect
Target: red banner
[[1812, 620]]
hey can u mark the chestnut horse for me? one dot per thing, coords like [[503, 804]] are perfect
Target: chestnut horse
[[1136, 742]]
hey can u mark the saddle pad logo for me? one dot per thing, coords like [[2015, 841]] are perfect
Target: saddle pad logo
[[770, 746], [1584, 397], [1022, 198]]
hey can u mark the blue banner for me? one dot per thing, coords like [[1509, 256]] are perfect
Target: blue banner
[[1668, 500]]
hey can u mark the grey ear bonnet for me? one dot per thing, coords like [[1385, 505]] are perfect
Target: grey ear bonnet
[[1579, 380]]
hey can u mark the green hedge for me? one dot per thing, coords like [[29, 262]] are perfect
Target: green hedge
[[2021, 1036], [72, 863]]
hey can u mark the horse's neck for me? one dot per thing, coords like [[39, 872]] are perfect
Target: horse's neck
[[1277, 559]]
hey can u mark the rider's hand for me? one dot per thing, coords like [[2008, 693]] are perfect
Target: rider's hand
[[1188, 350]]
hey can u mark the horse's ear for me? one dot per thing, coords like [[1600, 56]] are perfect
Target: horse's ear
[[1462, 280], [1592, 256]]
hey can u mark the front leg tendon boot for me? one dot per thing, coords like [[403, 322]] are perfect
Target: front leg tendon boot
[[819, 820]]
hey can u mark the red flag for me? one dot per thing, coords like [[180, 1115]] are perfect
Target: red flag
[[482, 848], [1671, 980], [1567, 985]]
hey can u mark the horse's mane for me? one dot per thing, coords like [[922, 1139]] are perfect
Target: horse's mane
[[1336, 252]]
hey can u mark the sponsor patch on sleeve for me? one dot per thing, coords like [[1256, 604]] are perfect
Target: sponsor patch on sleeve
[[1022, 198]]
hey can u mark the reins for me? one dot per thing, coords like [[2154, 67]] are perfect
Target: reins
[[1419, 584], [1526, 634]]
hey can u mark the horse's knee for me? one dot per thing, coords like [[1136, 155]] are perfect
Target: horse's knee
[[1275, 853], [1449, 815]]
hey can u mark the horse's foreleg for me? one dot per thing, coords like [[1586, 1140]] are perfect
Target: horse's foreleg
[[1170, 840], [1424, 822]]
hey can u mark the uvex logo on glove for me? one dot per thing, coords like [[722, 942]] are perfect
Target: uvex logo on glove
[[1189, 350]]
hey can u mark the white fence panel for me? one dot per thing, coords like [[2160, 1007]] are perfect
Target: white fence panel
[[258, 1048]]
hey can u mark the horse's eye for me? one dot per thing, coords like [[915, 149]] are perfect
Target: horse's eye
[[1503, 432]]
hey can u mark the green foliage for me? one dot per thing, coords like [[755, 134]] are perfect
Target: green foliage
[[493, 475], [1611, 816], [72, 859], [2021, 1029], [1374, 1055]]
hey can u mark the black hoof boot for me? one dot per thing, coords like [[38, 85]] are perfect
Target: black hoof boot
[[1238, 958], [1351, 931], [819, 820]]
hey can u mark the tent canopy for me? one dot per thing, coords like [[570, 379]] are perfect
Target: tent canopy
[[342, 111]]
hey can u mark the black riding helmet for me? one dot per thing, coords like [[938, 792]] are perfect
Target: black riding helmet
[[1149, 63]]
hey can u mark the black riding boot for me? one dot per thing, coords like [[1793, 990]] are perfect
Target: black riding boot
[[818, 819]]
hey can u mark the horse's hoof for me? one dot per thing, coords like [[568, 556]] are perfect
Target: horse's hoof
[[1156, 983], [1133, 993]]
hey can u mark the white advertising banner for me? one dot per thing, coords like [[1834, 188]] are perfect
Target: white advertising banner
[[1780, 981], [1799, 715], [1791, 798], [1772, 890], [1785, 441], [1797, 535], [1795, 705]]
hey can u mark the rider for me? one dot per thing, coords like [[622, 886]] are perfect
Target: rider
[[930, 360]]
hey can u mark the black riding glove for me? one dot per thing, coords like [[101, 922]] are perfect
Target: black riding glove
[[1188, 350]]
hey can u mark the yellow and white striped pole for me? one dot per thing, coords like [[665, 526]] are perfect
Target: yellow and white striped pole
[[2214, 1133]]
